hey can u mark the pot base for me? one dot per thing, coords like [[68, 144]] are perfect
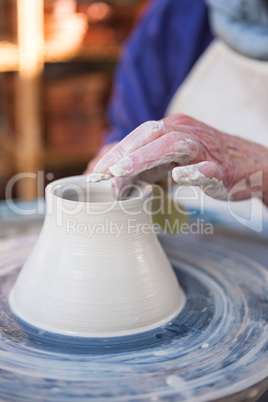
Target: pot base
[[37, 327]]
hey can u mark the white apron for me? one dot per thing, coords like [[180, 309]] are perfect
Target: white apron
[[229, 92]]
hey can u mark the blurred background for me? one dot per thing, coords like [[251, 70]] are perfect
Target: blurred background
[[57, 59]]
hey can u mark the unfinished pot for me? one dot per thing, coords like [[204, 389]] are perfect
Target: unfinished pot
[[97, 269]]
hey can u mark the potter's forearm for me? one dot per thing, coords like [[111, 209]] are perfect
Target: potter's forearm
[[265, 180], [248, 172], [256, 169], [259, 176]]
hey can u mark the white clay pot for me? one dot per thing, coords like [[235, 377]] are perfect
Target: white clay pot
[[84, 278]]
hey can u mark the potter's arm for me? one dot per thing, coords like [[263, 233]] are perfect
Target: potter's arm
[[224, 166], [265, 181]]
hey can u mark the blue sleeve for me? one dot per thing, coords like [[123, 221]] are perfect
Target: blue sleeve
[[157, 57]]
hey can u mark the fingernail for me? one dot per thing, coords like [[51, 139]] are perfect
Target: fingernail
[[121, 168], [186, 175], [95, 177]]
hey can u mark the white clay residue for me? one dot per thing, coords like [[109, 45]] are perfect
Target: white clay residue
[[120, 168], [96, 177], [191, 176]]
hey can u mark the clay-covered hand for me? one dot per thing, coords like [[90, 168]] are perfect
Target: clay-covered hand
[[221, 164], [121, 185]]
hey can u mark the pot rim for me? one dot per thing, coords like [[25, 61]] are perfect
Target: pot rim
[[146, 191]]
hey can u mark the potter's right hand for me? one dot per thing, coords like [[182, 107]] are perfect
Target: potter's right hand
[[121, 186], [103, 150], [196, 153]]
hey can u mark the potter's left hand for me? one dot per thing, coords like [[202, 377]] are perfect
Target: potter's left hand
[[198, 154]]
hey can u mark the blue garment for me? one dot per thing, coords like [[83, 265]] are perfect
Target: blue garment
[[157, 57]]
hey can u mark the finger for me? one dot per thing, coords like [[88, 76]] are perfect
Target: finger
[[90, 166], [172, 147], [206, 175], [96, 177], [139, 137]]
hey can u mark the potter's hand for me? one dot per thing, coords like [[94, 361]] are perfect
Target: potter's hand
[[121, 185], [221, 164], [92, 163]]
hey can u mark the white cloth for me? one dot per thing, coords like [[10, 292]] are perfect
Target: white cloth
[[227, 91]]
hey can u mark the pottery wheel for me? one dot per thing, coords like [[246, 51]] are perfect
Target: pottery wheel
[[216, 347]]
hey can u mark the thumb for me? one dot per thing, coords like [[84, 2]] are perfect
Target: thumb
[[207, 175]]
